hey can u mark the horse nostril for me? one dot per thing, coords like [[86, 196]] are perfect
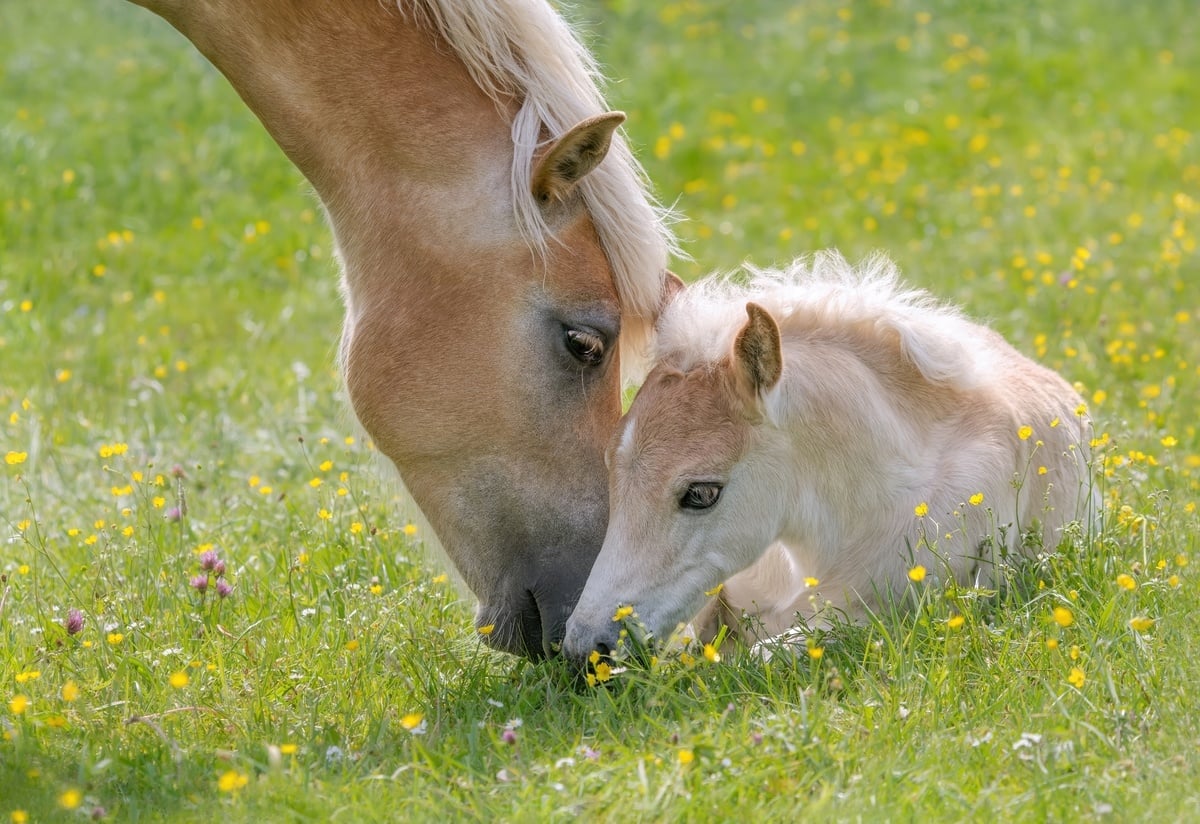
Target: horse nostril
[[603, 651]]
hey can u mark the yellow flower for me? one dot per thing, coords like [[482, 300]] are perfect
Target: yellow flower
[[376, 589], [622, 613], [955, 621], [19, 817], [916, 574], [1051, 643], [1024, 432], [70, 691], [232, 781], [715, 590], [410, 530], [115, 638], [921, 509], [324, 514], [1081, 410], [603, 671], [410, 722], [441, 579], [326, 466], [28, 675], [710, 652], [14, 458], [1169, 441], [1076, 677], [686, 757], [1141, 623], [352, 645], [179, 680], [486, 629], [811, 582], [70, 799], [1063, 616], [290, 749], [976, 499], [1126, 582], [18, 704]]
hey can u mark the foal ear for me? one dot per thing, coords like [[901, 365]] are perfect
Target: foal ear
[[672, 285], [572, 156], [758, 350]]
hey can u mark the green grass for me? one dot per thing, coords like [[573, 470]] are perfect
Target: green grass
[[166, 289]]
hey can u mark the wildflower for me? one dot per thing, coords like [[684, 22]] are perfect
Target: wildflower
[[288, 749], [486, 629], [710, 652], [1063, 616], [356, 528], [1024, 432], [1181, 560], [603, 671], [715, 590], [115, 638], [976, 499], [686, 757], [70, 799], [955, 621], [509, 736], [441, 579], [916, 574], [324, 514], [1076, 677], [19, 817], [173, 514], [414, 722], [232, 781], [223, 588], [179, 680], [18, 704], [1141, 623], [70, 691], [352, 645], [1081, 410], [921, 509], [219, 568], [811, 582], [199, 583], [28, 675], [816, 653], [208, 559], [622, 613], [14, 458], [410, 530], [1125, 581]]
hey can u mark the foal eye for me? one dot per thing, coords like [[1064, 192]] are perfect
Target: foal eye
[[585, 346], [700, 496]]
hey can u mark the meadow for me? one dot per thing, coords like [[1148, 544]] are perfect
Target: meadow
[[216, 604]]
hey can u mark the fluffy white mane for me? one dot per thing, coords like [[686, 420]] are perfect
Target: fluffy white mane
[[523, 49], [699, 326]]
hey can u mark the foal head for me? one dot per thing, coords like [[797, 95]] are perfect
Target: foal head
[[690, 489]]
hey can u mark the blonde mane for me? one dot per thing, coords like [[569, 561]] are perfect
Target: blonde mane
[[699, 326], [522, 49]]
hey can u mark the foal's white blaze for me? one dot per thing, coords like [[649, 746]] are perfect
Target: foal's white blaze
[[825, 405]]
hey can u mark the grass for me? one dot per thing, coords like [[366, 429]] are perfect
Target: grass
[[168, 313]]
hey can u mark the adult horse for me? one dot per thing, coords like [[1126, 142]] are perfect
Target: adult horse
[[499, 252]]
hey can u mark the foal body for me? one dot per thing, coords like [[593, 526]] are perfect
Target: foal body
[[810, 438]]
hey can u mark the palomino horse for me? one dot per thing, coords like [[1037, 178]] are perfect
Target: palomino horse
[[810, 438], [500, 259]]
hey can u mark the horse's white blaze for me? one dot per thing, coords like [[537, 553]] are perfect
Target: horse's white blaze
[[887, 404]]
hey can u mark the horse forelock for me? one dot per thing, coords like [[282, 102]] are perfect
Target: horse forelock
[[523, 50], [825, 291]]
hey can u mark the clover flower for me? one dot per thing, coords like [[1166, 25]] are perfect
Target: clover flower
[[74, 622]]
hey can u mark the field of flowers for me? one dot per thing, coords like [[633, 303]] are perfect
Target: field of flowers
[[215, 604]]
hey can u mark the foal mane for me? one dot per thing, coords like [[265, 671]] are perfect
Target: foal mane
[[825, 293], [523, 50]]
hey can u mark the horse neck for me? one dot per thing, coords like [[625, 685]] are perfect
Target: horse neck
[[382, 119]]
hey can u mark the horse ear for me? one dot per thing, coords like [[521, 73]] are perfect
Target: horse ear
[[672, 285], [758, 350], [572, 156]]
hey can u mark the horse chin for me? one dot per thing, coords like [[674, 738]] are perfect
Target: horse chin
[[524, 625]]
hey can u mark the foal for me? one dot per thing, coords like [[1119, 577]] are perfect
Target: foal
[[811, 437]]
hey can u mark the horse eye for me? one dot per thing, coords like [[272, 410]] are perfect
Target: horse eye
[[585, 346], [700, 496]]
